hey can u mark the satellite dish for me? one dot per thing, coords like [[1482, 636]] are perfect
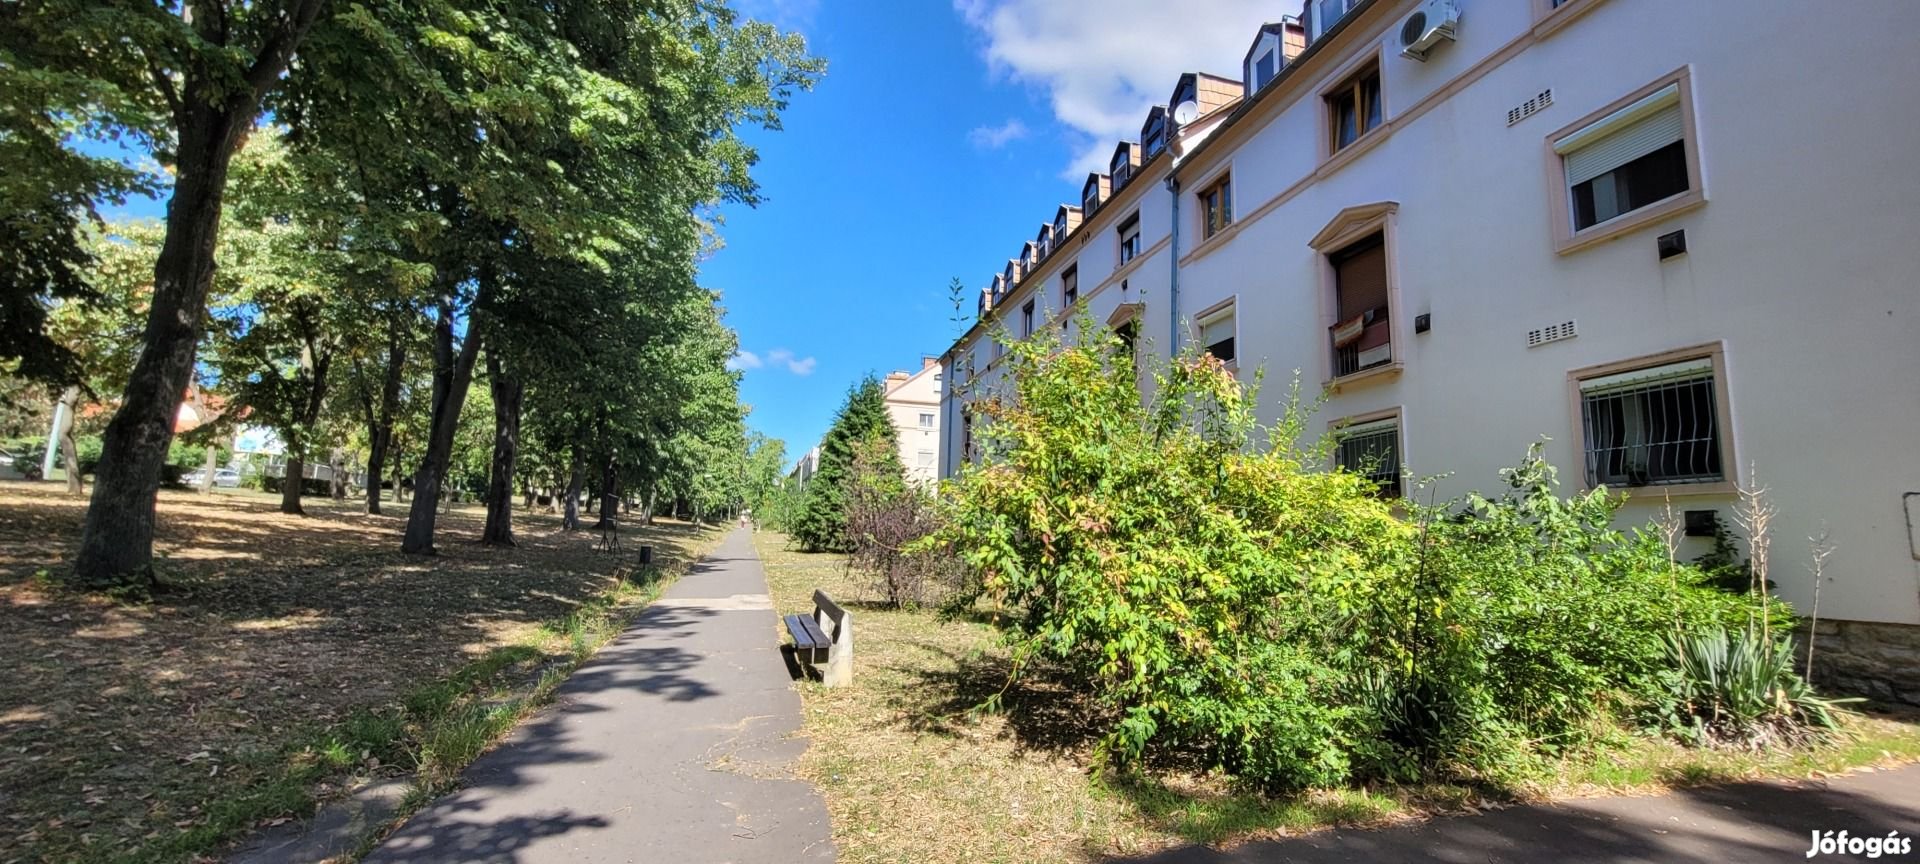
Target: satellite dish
[[1186, 112]]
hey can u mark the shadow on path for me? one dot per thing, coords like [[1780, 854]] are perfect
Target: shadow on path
[[1759, 821]]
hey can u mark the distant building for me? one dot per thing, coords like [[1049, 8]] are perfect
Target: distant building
[[808, 466], [913, 402]]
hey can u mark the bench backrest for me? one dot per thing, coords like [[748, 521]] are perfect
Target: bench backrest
[[826, 611]]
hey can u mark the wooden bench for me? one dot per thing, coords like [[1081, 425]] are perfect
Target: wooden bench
[[814, 644]]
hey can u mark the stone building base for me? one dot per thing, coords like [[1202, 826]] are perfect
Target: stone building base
[[1865, 658]]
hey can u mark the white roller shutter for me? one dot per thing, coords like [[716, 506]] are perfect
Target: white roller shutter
[[1638, 378], [1623, 136]]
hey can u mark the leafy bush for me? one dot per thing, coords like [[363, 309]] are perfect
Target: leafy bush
[[1224, 595], [885, 516], [1738, 687]]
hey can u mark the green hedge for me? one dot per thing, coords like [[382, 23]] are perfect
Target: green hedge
[[1222, 593]]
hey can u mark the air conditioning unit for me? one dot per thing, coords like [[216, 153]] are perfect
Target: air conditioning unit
[[1428, 26]]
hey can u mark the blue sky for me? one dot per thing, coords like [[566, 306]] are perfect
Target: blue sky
[[940, 139], [942, 136]]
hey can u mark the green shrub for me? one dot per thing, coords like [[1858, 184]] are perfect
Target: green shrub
[[1223, 594], [1737, 687]]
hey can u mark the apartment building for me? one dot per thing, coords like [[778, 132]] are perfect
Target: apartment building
[[1678, 241], [913, 403]]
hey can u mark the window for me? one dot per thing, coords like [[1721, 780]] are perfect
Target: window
[[1121, 168], [1217, 332], [966, 435], [1362, 337], [1129, 334], [1090, 196], [1026, 320], [1353, 108], [926, 458], [1630, 159], [926, 421], [1129, 238], [1153, 136], [1069, 287], [1263, 70], [1216, 207], [1657, 425], [1371, 450], [1060, 227], [1326, 13]]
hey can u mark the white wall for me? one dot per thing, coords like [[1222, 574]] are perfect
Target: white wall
[[1803, 261]]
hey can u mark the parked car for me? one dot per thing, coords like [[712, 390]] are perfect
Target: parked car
[[225, 478]]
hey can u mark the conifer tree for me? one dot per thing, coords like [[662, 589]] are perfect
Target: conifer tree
[[822, 525]]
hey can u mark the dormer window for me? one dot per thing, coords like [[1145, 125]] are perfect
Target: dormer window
[[1044, 245], [1265, 67], [1153, 136], [1060, 225], [1091, 194], [1122, 167], [1326, 13]]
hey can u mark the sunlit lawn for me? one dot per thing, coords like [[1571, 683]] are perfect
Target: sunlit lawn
[[911, 774], [124, 725]]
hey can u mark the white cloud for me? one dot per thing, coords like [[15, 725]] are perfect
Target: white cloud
[[744, 359], [996, 137], [781, 357], [1102, 63]]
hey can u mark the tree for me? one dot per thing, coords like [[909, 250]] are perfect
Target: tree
[[187, 81], [99, 332], [579, 131], [822, 524], [763, 470], [284, 311]]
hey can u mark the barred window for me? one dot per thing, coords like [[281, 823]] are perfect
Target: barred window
[[1653, 427], [1373, 451]]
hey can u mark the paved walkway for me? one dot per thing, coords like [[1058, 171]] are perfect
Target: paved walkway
[[1762, 821], [670, 745]]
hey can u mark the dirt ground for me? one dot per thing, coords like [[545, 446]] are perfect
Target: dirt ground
[[119, 719]]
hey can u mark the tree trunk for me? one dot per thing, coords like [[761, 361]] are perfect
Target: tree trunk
[[214, 110], [63, 439], [380, 421], [213, 464], [609, 495], [506, 446], [292, 482], [452, 374], [570, 511]]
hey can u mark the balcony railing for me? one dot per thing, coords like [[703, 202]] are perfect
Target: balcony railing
[[1361, 343]]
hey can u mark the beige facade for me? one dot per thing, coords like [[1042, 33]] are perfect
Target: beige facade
[[1674, 242], [913, 403]]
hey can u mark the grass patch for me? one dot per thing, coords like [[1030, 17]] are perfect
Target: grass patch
[[912, 773], [290, 660]]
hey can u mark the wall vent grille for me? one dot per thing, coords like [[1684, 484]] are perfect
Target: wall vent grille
[[1550, 333], [1530, 107]]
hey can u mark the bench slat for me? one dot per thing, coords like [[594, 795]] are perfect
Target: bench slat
[[809, 641]]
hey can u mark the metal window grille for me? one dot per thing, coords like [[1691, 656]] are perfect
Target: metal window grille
[[1652, 427], [1373, 451]]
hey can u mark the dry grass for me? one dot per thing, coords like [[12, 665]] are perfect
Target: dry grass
[[129, 728], [912, 774]]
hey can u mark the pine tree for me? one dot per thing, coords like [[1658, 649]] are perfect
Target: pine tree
[[822, 525]]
